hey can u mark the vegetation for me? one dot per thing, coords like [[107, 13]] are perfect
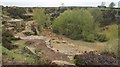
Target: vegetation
[[7, 36], [72, 24], [88, 24], [112, 34], [97, 14], [108, 17], [17, 57], [40, 17], [101, 38], [77, 24], [118, 40], [111, 5], [16, 12]]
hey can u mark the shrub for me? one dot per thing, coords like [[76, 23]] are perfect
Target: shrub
[[76, 24], [40, 17], [89, 38], [112, 33], [75, 36], [7, 36], [108, 17], [97, 14], [16, 12], [101, 37]]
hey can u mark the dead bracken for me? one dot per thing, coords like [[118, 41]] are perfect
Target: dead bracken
[[92, 58]]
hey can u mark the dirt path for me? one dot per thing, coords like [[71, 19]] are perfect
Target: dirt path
[[47, 53], [57, 47], [66, 45]]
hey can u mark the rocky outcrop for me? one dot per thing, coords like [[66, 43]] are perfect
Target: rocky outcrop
[[17, 24], [32, 28]]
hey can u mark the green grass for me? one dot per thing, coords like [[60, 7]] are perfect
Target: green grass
[[19, 43], [112, 34], [18, 57], [0, 48]]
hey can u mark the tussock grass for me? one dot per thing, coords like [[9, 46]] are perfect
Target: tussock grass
[[112, 34]]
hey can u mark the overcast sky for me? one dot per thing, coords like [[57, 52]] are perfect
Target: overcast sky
[[55, 3]]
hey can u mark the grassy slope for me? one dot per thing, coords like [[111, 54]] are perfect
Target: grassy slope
[[18, 57], [112, 34]]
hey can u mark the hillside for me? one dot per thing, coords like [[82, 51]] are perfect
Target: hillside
[[59, 36]]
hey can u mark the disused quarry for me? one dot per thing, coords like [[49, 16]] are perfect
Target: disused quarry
[[34, 47], [57, 49]]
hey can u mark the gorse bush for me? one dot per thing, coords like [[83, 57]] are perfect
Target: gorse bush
[[76, 24]]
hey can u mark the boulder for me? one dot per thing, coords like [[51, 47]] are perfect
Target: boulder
[[30, 50], [61, 62], [33, 37], [17, 38], [64, 42], [28, 33]]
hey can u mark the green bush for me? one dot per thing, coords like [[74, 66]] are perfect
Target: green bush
[[101, 37], [89, 38], [75, 36], [76, 24], [40, 17], [97, 14]]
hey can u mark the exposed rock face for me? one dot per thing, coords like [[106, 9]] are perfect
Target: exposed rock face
[[17, 24], [35, 28], [32, 28]]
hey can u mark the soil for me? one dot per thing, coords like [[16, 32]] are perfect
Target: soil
[[47, 53], [56, 47], [60, 49]]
